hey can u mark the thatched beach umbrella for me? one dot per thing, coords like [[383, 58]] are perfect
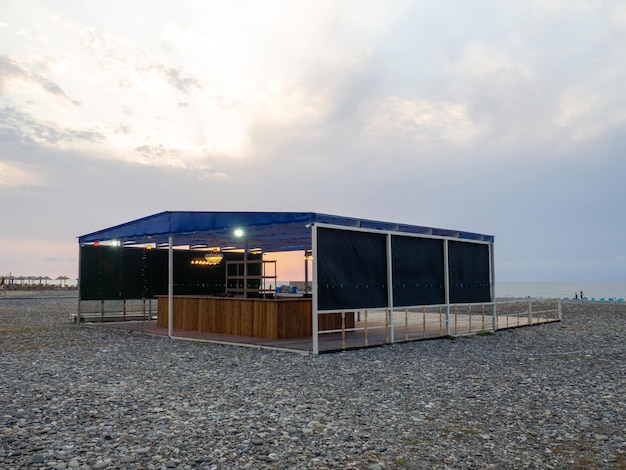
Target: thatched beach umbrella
[[62, 280]]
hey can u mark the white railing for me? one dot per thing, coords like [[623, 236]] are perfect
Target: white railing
[[115, 310], [372, 327]]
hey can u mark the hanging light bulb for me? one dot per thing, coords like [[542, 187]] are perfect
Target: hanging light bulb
[[213, 258]]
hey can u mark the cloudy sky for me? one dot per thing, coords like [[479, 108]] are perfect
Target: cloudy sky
[[498, 117]]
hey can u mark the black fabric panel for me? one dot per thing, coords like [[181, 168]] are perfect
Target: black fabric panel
[[100, 272], [418, 271], [132, 277], [190, 279], [469, 272], [113, 273], [194, 279], [351, 269], [89, 272], [156, 273]]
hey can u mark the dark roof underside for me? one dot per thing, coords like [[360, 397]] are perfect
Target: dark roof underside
[[265, 231]]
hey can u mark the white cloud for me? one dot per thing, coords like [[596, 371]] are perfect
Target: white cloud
[[26, 127], [574, 116], [495, 94], [13, 175], [489, 66], [562, 7], [421, 121], [586, 115], [285, 103], [618, 14]]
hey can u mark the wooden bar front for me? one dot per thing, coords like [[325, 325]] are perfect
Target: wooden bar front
[[258, 318]]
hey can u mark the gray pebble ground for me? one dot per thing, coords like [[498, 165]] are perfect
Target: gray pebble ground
[[544, 397]]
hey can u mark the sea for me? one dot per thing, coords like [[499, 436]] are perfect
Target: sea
[[599, 291]]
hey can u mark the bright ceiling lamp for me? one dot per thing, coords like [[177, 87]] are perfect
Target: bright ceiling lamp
[[214, 257], [210, 259]]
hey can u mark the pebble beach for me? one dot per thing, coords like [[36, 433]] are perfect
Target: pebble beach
[[551, 396]]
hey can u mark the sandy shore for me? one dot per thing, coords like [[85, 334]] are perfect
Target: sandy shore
[[549, 396]]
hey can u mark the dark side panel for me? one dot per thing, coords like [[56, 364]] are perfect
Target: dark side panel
[[352, 269], [469, 272], [418, 271]]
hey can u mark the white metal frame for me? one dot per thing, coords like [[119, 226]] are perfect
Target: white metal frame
[[170, 286], [390, 308]]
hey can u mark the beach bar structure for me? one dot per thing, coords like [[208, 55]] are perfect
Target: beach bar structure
[[207, 272]]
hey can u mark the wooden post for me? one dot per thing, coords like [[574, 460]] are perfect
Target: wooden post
[[494, 317], [456, 318], [440, 322], [406, 324], [387, 326], [483, 323], [507, 315], [366, 342], [343, 330], [423, 322]]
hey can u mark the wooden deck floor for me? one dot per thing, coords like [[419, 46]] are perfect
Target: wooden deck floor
[[366, 334]]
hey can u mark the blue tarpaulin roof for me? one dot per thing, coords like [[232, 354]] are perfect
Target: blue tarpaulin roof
[[266, 231]]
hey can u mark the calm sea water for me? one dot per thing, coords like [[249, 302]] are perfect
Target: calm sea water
[[562, 290], [551, 290]]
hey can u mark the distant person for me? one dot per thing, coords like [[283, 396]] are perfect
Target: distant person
[[582, 297], [575, 295]]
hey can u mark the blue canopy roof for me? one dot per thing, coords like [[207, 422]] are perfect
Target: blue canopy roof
[[265, 231]]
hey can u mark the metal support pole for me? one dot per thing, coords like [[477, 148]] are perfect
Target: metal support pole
[[306, 274], [245, 269], [79, 276], [390, 287], [492, 278], [446, 280], [170, 287], [314, 292]]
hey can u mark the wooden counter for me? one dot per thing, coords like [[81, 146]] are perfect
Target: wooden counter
[[259, 318]]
